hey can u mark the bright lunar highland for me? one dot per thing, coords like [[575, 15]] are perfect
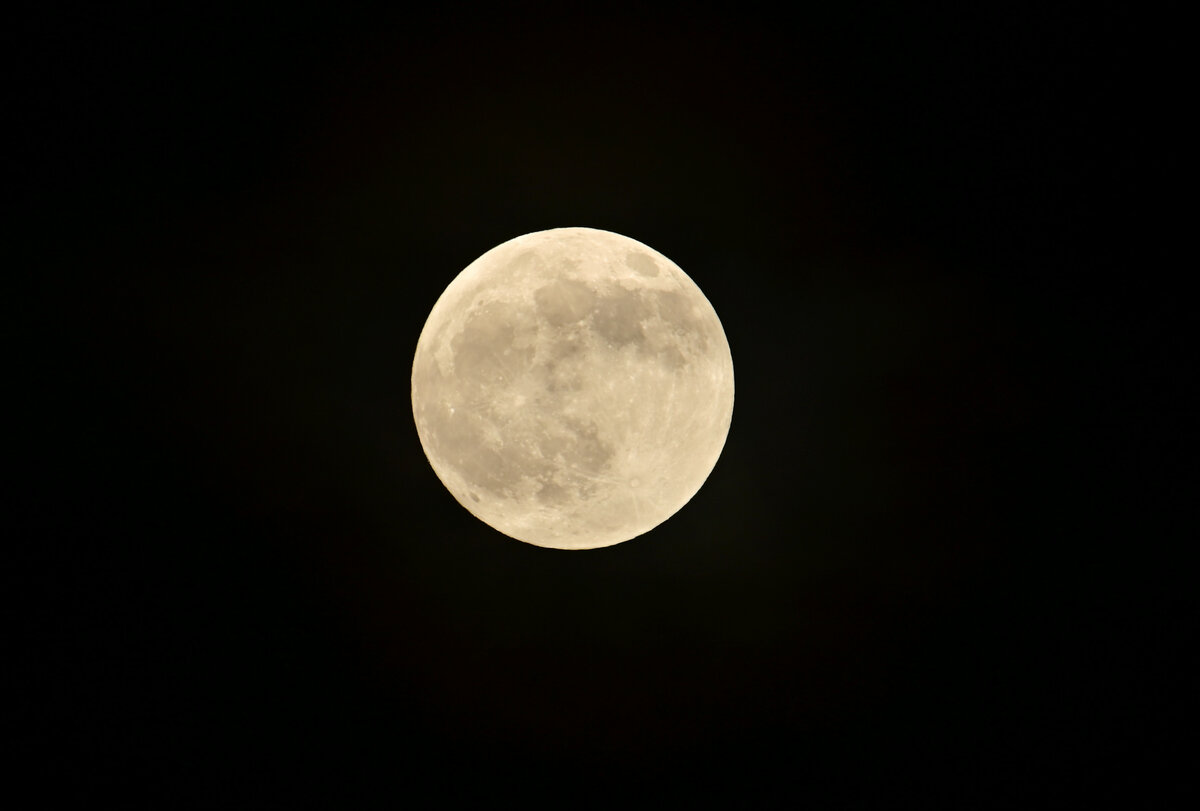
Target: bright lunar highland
[[572, 388]]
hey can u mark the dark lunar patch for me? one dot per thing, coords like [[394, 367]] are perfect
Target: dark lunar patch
[[559, 378], [677, 311], [672, 358], [565, 348], [564, 301], [673, 307], [641, 264], [618, 317], [552, 494], [496, 472], [579, 447], [586, 452], [482, 466], [560, 371], [458, 438], [484, 351], [551, 444]]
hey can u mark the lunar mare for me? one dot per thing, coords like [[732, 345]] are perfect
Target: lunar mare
[[572, 388]]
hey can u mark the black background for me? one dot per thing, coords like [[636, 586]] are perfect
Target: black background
[[918, 572]]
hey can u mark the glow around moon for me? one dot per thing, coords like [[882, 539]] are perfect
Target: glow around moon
[[572, 388]]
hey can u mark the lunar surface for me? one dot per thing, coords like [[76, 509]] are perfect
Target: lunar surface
[[572, 388]]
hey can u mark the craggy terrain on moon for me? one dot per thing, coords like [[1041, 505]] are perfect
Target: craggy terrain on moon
[[573, 388]]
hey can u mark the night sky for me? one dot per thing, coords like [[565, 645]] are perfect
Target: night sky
[[908, 578]]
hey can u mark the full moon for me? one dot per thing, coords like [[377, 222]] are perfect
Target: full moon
[[572, 388]]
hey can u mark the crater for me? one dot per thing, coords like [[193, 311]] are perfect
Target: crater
[[522, 261], [641, 263]]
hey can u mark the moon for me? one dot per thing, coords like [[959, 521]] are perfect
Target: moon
[[572, 388]]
